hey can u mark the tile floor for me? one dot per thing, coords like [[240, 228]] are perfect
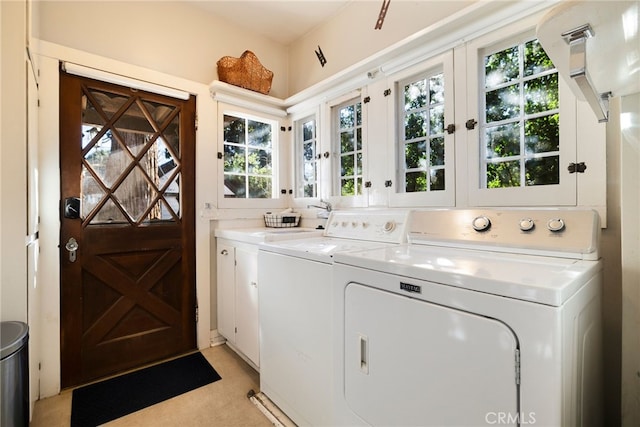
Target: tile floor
[[222, 403]]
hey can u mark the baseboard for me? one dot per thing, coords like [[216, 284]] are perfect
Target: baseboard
[[216, 338]]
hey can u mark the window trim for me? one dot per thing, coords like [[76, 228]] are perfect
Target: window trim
[[446, 197], [278, 177]]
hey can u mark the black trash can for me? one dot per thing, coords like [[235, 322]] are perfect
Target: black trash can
[[14, 375]]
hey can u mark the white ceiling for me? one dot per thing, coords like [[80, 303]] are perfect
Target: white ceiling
[[282, 21]]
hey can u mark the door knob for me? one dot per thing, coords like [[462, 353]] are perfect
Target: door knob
[[72, 247]]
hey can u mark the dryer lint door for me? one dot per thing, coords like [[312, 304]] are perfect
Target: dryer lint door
[[411, 362]]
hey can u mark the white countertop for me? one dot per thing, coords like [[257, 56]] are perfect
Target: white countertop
[[265, 234]]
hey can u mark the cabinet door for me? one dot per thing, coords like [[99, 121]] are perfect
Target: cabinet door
[[226, 290], [247, 339]]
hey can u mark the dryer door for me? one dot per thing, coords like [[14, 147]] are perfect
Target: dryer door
[[411, 362]]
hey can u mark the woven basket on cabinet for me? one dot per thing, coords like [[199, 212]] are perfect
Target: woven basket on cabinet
[[246, 72]]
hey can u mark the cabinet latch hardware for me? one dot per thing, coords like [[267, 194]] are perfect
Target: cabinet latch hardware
[[451, 128], [326, 154], [219, 155], [282, 128], [470, 124], [577, 167], [387, 92], [318, 156], [367, 184], [283, 191], [388, 183], [366, 99]]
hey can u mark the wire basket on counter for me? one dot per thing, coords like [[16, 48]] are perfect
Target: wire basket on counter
[[281, 220]]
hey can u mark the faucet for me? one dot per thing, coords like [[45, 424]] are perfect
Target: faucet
[[327, 206]]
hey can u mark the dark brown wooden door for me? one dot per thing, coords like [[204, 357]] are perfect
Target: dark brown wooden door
[[128, 297]]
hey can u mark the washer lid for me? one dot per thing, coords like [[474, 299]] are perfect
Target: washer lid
[[321, 249], [13, 336], [540, 279]]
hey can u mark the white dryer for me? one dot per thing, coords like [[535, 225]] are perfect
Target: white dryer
[[487, 317], [295, 304]]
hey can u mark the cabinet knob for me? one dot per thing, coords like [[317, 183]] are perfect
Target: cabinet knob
[[224, 252], [254, 284]]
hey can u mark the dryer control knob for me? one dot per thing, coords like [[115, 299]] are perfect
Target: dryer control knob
[[526, 224], [388, 226], [481, 223], [555, 224]]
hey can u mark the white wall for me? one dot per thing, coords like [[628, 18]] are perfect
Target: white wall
[[630, 191], [13, 182], [350, 37], [167, 36]]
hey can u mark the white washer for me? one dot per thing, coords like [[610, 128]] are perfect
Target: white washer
[[295, 303], [486, 317]]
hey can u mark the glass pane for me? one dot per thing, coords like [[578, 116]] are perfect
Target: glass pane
[[309, 190], [171, 136], [134, 121], [259, 134], [166, 164], [501, 67], [308, 151], [234, 129], [159, 212], [172, 197], [308, 130], [436, 157], [347, 117], [415, 181], [503, 174], [359, 114], [359, 139], [503, 140], [359, 185], [108, 160], [309, 173], [535, 59], [415, 125], [541, 94], [436, 125], [235, 186], [436, 89], [92, 122], [437, 180], [503, 103], [415, 155], [358, 163], [234, 159], [109, 214], [542, 135], [159, 112], [92, 193], [259, 162], [135, 194], [347, 187], [346, 165], [260, 187], [346, 142], [108, 102], [542, 171], [415, 95]]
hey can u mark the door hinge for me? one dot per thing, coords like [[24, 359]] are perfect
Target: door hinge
[[388, 183], [367, 184], [366, 99], [450, 128], [219, 155], [517, 355], [196, 122], [197, 314], [387, 92], [577, 167]]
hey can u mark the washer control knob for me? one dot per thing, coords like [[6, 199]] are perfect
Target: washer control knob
[[365, 224], [388, 226], [354, 224], [526, 224], [345, 223], [481, 223], [555, 224]]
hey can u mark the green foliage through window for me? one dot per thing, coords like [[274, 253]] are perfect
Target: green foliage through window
[[248, 148], [520, 133], [422, 134], [350, 169]]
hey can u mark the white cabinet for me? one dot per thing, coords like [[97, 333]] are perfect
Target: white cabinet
[[237, 276]]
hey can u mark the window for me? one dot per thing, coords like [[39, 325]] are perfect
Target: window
[[347, 119], [307, 157], [521, 125], [421, 133], [248, 157]]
